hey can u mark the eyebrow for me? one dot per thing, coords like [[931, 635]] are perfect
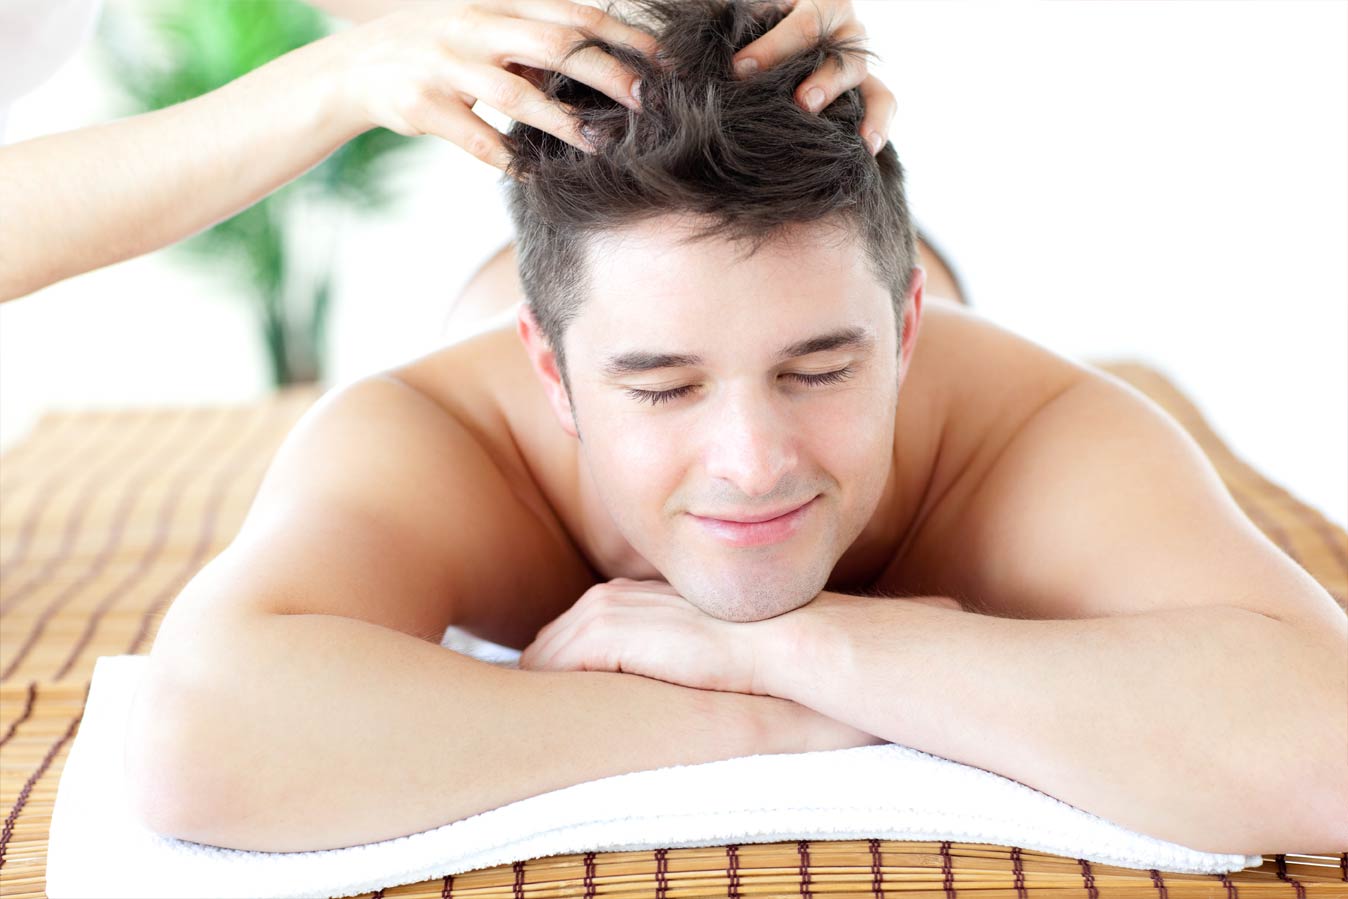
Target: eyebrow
[[646, 360]]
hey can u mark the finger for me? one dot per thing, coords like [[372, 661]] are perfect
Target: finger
[[800, 28], [588, 16], [432, 112], [529, 657], [827, 83], [521, 101], [880, 106], [544, 46], [544, 653], [544, 43], [555, 635]]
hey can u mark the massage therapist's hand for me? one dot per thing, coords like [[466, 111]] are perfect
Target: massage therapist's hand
[[421, 69], [83, 199], [800, 29]]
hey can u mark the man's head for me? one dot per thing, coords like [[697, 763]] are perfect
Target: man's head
[[722, 222]]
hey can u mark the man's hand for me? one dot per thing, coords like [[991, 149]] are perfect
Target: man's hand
[[647, 628]]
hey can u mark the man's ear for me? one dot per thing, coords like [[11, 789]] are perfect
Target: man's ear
[[544, 362], [912, 320]]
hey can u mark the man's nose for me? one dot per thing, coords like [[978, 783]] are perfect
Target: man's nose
[[751, 446]]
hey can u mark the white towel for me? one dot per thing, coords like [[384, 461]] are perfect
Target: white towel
[[97, 848]]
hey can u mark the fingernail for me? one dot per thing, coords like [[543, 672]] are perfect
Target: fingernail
[[814, 99], [746, 66], [636, 91], [874, 141], [587, 138]]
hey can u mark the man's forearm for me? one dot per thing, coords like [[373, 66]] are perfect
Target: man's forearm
[[83, 199], [296, 732], [1215, 728]]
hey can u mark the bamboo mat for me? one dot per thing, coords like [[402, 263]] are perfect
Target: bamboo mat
[[105, 516]]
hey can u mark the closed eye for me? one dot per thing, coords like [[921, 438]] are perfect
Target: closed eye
[[656, 397]]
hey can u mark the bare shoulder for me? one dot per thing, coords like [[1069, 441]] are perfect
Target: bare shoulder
[[383, 505], [985, 381], [360, 515], [1101, 504], [531, 570], [1073, 495]]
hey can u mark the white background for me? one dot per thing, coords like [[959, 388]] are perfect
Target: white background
[[1161, 181]]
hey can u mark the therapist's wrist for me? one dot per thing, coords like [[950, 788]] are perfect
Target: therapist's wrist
[[314, 82], [358, 10]]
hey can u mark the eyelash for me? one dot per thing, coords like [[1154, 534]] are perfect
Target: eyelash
[[656, 397]]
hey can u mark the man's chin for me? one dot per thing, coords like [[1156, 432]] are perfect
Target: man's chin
[[738, 602]]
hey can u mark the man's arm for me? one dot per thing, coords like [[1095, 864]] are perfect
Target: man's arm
[[1161, 662], [296, 732], [297, 696], [1216, 728]]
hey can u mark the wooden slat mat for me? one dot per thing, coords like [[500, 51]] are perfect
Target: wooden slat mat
[[105, 516]]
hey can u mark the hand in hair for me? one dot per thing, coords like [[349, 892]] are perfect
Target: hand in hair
[[421, 69], [801, 28]]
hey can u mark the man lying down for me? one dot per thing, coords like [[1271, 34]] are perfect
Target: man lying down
[[736, 483]]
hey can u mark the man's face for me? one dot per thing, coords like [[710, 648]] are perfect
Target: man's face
[[738, 431]]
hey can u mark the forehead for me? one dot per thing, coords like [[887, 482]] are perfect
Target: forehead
[[647, 285]]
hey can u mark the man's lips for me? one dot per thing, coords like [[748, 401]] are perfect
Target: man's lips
[[757, 533], [753, 517]]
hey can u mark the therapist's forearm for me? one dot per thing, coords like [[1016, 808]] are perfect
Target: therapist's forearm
[[362, 10], [76, 201]]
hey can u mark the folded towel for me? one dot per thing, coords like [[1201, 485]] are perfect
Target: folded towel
[[97, 848]]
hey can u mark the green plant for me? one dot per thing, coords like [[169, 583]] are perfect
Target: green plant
[[166, 51]]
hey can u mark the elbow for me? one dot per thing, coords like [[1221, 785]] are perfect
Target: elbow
[[160, 789], [184, 776], [1322, 789], [1299, 801], [1323, 827], [151, 805]]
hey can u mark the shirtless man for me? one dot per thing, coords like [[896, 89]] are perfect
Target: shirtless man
[[1001, 557]]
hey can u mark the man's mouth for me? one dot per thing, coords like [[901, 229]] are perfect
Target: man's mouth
[[766, 530]]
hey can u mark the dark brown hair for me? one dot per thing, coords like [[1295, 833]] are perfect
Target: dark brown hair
[[739, 152]]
